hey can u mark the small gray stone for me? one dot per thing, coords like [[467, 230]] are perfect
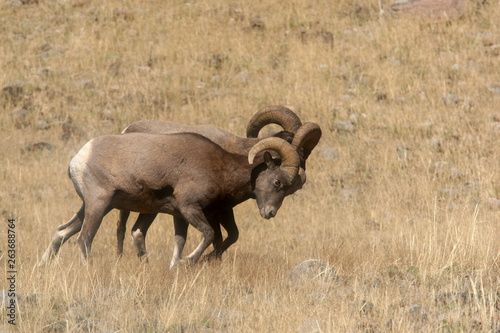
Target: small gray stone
[[471, 188], [36, 299], [310, 270], [435, 143], [495, 129], [317, 298], [14, 3], [426, 127], [350, 193], [495, 88], [82, 315], [123, 14], [20, 116], [455, 173], [494, 50], [450, 193], [381, 97], [462, 298], [422, 95], [88, 325], [84, 82], [456, 68], [144, 69], [257, 23], [106, 114], [492, 202], [454, 315], [7, 298], [44, 71], [20, 113], [439, 166], [442, 169], [366, 307], [328, 154], [42, 124], [38, 146], [114, 89], [346, 126], [431, 9], [226, 317], [372, 225], [439, 169], [53, 50], [450, 99], [312, 325], [404, 153], [71, 130], [354, 118], [416, 312], [13, 93], [243, 77]]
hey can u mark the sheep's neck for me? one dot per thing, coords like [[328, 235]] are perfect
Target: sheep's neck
[[237, 181]]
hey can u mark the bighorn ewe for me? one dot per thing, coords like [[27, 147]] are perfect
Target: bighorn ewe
[[308, 137], [185, 175]]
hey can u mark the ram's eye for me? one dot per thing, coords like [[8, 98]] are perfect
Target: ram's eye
[[277, 183]]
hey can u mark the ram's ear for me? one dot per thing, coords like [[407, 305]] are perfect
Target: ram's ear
[[268, 159]]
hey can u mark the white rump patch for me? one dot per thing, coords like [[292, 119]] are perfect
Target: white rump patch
[[78, 165]]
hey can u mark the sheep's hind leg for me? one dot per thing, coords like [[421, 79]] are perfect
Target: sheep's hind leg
[[215, 224], [121, 227], [94, 214], [63, 233], [139, 231], [181, 228]]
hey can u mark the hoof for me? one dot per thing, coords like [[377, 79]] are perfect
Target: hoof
[[211, 256], [143, 257], [187, 262]]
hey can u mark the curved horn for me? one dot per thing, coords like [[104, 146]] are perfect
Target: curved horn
[[290, 160], [273, 114], [306, 138]]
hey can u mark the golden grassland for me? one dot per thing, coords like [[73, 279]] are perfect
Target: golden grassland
[[404, 207]]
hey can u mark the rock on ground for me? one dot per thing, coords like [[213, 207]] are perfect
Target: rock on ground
[[312, 270], [433, 9], [312, 325]]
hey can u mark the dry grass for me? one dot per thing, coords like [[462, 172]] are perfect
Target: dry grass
[[420, 244]]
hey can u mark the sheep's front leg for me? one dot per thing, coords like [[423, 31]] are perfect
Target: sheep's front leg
[[229, 224], [225, 219], [195, 216]]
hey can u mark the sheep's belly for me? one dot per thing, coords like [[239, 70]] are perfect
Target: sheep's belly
[[150, 203]]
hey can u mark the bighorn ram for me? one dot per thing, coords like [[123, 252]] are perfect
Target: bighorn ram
[[185, 175], [307, 138]]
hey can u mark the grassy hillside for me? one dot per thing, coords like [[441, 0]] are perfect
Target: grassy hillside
[[403, 190]]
